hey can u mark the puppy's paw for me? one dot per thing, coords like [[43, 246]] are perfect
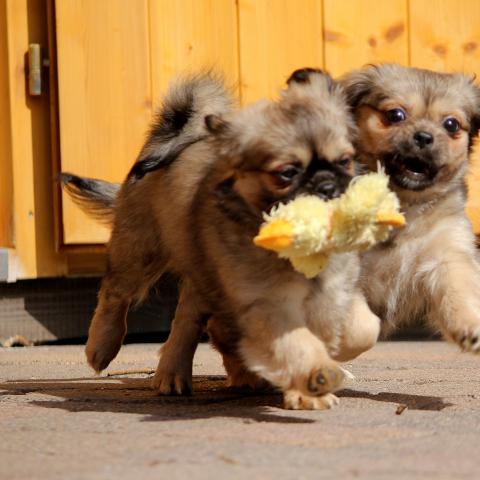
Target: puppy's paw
[[296, 400], [468, 339], [172, 383], [101, 350], [325, 379]]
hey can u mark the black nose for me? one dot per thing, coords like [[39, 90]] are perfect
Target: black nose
[[422, 139], [327, 189]]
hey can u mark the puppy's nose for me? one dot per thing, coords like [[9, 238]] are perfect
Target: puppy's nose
[[423, 139], [327, 189]]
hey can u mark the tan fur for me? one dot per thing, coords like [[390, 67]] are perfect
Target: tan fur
[[430, 268], [197, 218]]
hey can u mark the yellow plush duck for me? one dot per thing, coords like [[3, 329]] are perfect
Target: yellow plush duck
[[308, 230]]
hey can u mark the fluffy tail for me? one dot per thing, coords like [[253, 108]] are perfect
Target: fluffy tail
[[95, 197], [180, 122]]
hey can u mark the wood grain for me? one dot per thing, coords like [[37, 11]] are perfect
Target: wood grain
[[358, 32], [191, 35], [277, 37], [104, 95]]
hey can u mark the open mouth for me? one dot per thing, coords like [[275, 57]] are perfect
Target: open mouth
[[411, 173]]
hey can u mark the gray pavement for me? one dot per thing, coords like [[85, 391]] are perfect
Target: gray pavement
[[58, 421]]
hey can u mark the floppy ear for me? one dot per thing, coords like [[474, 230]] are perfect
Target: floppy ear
[[358, 84], [303, 75], [216, 124], [310, 76], [475, 120], [475, 124]]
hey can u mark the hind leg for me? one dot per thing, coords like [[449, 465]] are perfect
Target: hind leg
[[130, 275], [238, 375], [108, 327], [174, 371], [225, 340]]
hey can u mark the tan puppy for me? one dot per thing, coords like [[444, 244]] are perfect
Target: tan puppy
[[192, 204], [420, 126]]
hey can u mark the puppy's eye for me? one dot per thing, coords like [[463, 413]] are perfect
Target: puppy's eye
[[345, 162], [395, 115], [451, 125], [287, 173]]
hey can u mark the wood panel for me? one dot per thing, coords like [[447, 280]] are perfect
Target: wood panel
[[189, 35], [6, 176], [358, 32], [277, 37], [445, 36], [104, 95]]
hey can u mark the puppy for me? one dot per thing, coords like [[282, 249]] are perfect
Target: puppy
[[192, 204], [420, 125]]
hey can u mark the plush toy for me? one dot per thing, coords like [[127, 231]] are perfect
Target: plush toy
[[308, 230]]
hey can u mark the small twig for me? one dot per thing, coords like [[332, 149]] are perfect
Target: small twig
[[400, 409], [116, 373]]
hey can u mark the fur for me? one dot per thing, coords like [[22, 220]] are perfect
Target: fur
[[429, 270], [197, 215]]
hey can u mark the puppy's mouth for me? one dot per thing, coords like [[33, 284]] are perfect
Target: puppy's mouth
[[411, 173]]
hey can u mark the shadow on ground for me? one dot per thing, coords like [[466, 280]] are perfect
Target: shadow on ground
[[212, 399], [412, 402], [134, 395]]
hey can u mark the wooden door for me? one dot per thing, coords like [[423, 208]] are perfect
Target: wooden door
[[115, 58], [104, 95]]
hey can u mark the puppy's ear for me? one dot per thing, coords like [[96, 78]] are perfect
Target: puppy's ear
[[475, 125], [216, 124], [306, 75], [314, 77], [475, 120], [358, 85]]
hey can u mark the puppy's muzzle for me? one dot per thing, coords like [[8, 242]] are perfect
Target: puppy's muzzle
[[411, 171], [327, 184]]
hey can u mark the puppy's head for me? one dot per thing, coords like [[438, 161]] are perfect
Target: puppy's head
[[419, 124], [300, 144]]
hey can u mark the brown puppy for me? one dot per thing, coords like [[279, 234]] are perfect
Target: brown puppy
[[419, 125], [210, 179]]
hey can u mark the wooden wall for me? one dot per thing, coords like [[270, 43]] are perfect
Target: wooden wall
[[115, 60], [116, 57]]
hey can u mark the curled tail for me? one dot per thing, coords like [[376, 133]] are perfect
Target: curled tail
[[95, 197], [180, 122]]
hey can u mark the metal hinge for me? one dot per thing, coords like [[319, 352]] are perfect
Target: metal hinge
[[35, 64]]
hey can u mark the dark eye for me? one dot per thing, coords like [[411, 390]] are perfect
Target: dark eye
[[287, 173], [395, 115], [451, 125], [345, 162]]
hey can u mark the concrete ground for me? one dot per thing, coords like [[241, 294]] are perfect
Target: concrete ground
[[59, 421]]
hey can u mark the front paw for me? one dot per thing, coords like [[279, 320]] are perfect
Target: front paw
[[172, 377], [102, 347], [296, 400], [468, 338], [325, 379]]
